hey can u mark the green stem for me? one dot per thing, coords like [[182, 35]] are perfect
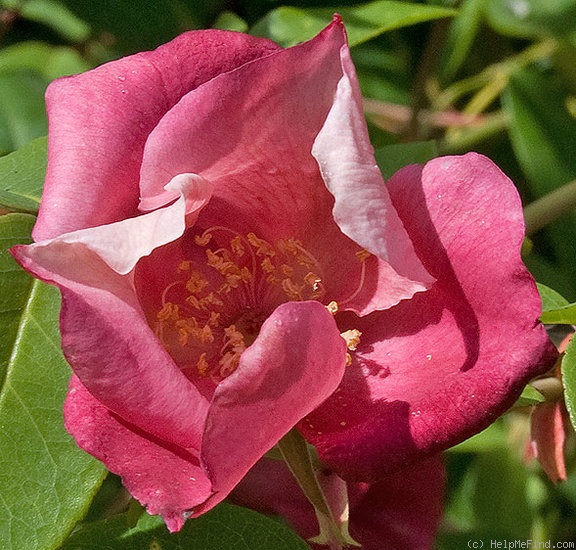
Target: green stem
[[550, 207], [303, 466], [491, 80]]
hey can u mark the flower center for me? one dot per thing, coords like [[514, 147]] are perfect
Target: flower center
[[214, 309]]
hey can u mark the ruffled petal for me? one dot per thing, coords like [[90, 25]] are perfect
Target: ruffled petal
[[439, 367], [100, 120], [401, 511], [132, 374], [167, 480], [295, 363], [363, 209]]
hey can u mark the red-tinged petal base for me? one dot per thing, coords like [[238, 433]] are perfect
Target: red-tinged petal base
[[439, 367], [402, 511]]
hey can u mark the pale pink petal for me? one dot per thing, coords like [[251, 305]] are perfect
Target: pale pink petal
[[440, 367], [166, 479], [296, 362], [99, 122], [123, 243], [401, 512], [362, 207]]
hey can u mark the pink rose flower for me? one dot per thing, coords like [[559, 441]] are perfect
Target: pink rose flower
[[232, 266]]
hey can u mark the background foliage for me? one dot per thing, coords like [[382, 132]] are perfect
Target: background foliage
[[439, 77]]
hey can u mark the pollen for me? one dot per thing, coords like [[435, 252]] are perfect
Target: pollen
[[352, 338], [363, 255], [213, 309], [332, 307]]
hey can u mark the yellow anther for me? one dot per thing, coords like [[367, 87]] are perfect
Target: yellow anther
[[249, 275], [352, 338], [363, 255], [214, 320], [233, 337], [169, 311], [205, 302], [202, 365], [203, 240], [291, 289], [263, 248], [196, 283], [237, 246], [332, 307], [267, 265]]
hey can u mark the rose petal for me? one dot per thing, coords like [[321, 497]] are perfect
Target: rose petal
[[250, 132], [548, 435], [266, 179], [123, 243], [362, 208], [295, 363], [99, 122], [439, 367], [132, 374], [402, 511], [167, 480]]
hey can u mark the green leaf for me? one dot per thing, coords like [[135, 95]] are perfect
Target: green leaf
[[226, 526], [492, 438], [463, 31], [45, 59], [53, 14], [569, 380], [22, 177], [289, 25], [543, 135], [532, 18], [562, 316], [530, 396], [129, 27], [393, 157], [542, 130], [229, 21], [22, 116], [492, 496], [551, 300], [46, 481]]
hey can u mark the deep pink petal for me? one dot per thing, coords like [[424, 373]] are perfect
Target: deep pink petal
[[167, 480], [132, 374], [439, 367], [100, 120], [295, 363], [265, 177], [402, 511], [363, 209], [250, 132]]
